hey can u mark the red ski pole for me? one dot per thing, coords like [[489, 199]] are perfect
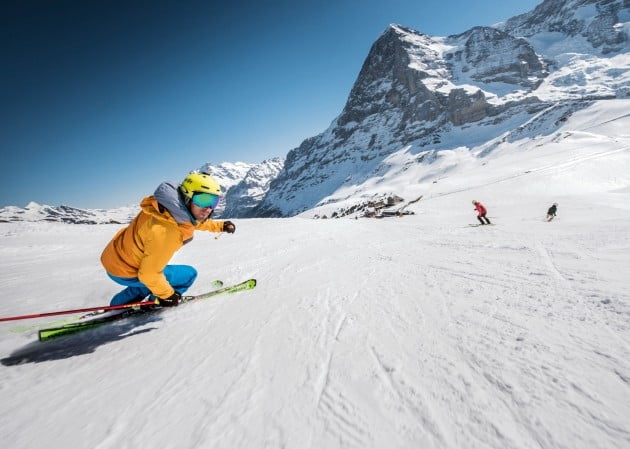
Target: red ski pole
[[88, 309]]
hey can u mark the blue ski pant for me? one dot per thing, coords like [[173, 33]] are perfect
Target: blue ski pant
[[181, 277]]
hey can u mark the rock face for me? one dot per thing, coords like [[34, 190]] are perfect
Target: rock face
[[599, 22], [489, 55], [418, 91]]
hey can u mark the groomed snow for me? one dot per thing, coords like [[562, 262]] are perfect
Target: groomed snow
[[419, 331]]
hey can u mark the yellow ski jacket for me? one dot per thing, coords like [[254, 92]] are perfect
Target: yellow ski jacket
[[144, 248]]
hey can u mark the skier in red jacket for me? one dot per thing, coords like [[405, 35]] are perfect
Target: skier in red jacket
[[481, 212]]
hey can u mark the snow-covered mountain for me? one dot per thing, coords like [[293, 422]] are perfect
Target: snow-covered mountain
[[248, 193], [244, 185], [426, 96], [227, 174], [420, 99], [66, 214], [570, 26]]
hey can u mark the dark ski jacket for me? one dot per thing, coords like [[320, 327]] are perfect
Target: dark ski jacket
[[552, 211]]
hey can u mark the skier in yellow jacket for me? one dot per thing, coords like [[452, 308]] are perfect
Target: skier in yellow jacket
[[138, 255]]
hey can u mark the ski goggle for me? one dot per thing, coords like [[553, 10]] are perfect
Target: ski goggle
[[206, 200]]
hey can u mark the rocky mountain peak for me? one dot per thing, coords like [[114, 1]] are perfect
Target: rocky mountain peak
[[227, 174], [599, 22], [385, 81], [245, 195]]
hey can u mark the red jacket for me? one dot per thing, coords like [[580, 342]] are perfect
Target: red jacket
[[482, 210]]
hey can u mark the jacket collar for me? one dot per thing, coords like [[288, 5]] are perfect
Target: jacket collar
[[168, 196]]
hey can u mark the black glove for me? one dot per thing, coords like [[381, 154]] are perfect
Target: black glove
[[229, 227], [171, 301]]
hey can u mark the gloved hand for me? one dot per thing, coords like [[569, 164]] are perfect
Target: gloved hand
[[229, 227], [171, 301]]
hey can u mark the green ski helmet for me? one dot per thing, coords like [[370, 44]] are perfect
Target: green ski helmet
[[196, 182], [475, 201]]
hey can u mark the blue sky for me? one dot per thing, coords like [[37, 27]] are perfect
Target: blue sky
[[100, 101]]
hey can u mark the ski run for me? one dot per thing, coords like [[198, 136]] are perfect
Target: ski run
[[412, 332]]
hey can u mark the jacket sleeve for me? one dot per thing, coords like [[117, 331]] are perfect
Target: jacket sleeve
[[211, 226], [160, 245]]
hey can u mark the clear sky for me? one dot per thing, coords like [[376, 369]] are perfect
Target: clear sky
[[100, 101]]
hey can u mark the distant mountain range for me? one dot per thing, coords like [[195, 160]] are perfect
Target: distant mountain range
[[418, 96], [244, 184], [66, 214]]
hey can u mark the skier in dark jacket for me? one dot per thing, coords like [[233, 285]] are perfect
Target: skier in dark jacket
[[481, 212], [552, 211]]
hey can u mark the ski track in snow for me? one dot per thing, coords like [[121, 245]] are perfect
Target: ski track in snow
[[436, 336]]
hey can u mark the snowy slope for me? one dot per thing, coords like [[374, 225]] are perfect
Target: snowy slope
[[395, 333], [581, 141]]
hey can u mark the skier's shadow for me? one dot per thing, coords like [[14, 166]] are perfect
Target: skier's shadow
[[79, 344]]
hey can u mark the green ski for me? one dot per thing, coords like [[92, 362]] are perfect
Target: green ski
[[76, 327], [73, 319]]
